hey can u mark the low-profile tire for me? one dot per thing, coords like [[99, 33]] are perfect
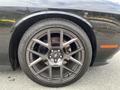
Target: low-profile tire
[[55, 52]]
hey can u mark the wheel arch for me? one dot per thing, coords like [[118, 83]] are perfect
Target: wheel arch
[[21, 26]]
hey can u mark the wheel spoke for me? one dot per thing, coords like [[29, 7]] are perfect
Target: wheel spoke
[[42, 70], [76, 51], [35, 62], [36, 53], [69, 42], [75, 60], [49, 38], [61, 72], [69, 69], [61, 38], [50, 72], [41, 42]]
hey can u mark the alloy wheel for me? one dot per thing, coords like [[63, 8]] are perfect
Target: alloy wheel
[[55, 55]]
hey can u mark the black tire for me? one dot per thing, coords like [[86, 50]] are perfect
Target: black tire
[[37, 28]]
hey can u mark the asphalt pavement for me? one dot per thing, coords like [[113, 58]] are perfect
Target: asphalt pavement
[[105, 77]]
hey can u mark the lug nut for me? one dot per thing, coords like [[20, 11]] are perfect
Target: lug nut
[[55, 60], [52, 50], [64, 62], [60, 56], [58, 50]]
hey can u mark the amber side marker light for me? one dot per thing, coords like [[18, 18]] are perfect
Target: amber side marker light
[[109, 46]]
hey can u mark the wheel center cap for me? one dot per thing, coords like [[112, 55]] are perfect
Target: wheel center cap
[[55, 57]]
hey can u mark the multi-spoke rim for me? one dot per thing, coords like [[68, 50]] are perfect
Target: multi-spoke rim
[[60, 62]]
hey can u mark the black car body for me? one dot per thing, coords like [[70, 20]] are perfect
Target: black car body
[[100, 20]]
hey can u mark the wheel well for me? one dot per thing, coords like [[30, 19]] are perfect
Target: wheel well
[[20, 30]]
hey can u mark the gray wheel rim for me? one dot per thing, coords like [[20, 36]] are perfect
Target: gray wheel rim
[[55, 65]]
